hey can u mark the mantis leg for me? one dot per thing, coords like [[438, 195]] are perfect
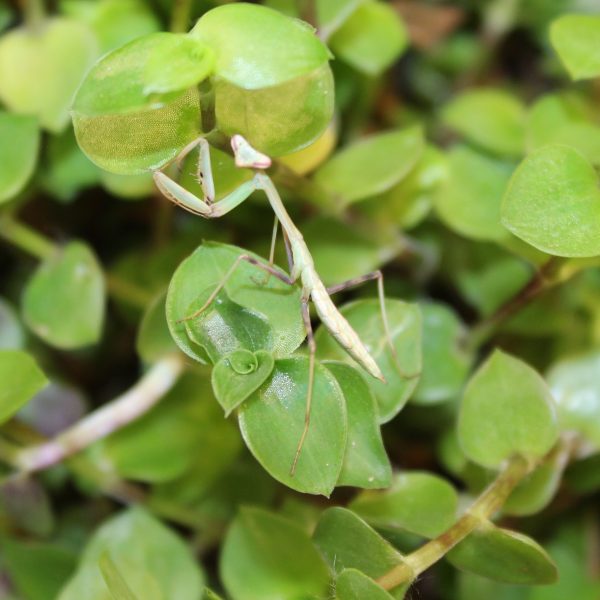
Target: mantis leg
[[271, 252], [312, 348], [378, 275], [242, 257]]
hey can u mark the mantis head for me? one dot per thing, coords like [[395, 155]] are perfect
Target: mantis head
[[247, 156]]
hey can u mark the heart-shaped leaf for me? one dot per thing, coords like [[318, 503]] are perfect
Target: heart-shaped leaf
[[238, 375], [17, 158], [248, 287], [21, 380], [40, 69], [371, 165], [346, 541], [401, 375], [575, 39], [64, 301], [156, 562], [417, 501], [267, 556], [371, 39], [553, 202], [491, 118], [280, 96], [366, 463], [506, 410], [272, 421], [124, 120], [504, 555]]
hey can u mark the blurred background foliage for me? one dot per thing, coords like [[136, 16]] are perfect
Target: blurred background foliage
[[453, 95]]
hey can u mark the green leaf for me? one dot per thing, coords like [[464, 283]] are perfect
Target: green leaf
[[273, 301], [347, 542], [410, 200], [115, 22], [21, 380], [469, 200], [371, 39], [12, 336], [154, 339], [40, 69], [575, 386], [371, 165], [553, 202], [366, 463], [446, 361], [505, 556], [116, 584], [187, 421], [272, 421], [120, 123], [64, 301], [225, 327], [564, 118], [417, 501], [354, 585], [156, 562], [575, 39], [490, 118], [365, 318], [291, 50], [506, 410], [280, 96], [238, 375], [17, 158], [267, 557], [38, 571]]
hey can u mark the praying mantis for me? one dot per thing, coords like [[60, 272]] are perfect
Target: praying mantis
[[301, 265]]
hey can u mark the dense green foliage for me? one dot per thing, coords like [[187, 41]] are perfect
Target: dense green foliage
[[154, 378]]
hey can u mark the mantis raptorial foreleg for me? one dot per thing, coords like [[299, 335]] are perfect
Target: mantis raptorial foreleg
[[355, 282], [269, 269]]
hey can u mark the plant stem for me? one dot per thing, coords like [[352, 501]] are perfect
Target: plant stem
[[180, 17], [109, 418], [26, 238], [490, 501], [32, 242]]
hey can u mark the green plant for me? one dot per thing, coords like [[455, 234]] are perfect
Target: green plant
[[449, 426]]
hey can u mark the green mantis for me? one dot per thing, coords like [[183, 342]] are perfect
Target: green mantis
[[301, 266]]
